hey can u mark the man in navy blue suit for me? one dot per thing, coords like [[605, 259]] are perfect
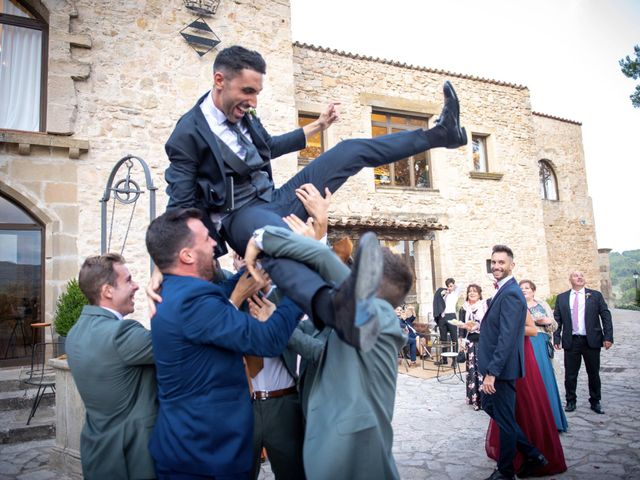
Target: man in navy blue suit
[[501, 362], [205, 419], [220, 162]]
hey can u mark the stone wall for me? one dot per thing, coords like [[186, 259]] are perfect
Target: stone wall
[[120, 76], [144, 76], [568, 222], [479, 212]]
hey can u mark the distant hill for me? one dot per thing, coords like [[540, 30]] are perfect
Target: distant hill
[[622, 267]]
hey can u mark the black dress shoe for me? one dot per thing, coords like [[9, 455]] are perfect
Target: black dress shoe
[[596, 407], [352, 300], [532, 465], [571, 407], [498, 475], [450, 118]]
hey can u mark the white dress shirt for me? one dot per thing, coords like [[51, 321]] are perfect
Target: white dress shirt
[[217, 123], [582, 329]]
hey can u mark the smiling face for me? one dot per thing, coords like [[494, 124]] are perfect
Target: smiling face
[[202, 249], [501, 265], [121, 295], [235, 94], [473, 295]]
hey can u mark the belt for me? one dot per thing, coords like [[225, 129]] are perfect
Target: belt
[[258, 395]]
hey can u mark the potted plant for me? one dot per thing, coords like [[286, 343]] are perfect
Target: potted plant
[[68, 310]]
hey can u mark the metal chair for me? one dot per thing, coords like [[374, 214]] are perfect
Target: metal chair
[[403, 355], [40, 374]]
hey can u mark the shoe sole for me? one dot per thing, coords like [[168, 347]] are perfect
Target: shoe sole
[[369, 265]]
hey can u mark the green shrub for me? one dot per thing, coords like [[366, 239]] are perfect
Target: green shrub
[[552, 301], [628, 307], [68, 308]]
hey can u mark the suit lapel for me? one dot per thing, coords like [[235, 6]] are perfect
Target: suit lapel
[[500, 290], [258, 141], [202, 127]]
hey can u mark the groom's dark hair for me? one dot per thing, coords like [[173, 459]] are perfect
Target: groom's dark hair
[[503, 249], [232, 60]]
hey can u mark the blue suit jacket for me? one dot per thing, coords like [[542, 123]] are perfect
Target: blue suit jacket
[[501, 347], [205, 419]]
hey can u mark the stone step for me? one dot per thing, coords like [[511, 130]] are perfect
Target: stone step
[[14, 428], [20, 398]]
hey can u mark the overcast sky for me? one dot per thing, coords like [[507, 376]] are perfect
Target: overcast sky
[[565, 51]]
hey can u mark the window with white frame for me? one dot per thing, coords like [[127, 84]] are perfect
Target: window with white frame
[[23, 44], [479, 145]]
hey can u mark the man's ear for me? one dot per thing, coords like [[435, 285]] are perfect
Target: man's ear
[[106, 291], [218, 80], [186, 256]]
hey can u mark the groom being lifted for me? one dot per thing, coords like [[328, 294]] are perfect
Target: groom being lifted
[[220, 162]]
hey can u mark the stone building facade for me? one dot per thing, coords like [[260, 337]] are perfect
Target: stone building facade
[[119, 75]]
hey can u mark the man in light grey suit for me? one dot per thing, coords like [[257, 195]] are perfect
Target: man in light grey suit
[[348, 432], [113, 366]]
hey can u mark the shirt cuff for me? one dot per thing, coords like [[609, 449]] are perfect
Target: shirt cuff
[[257, 237]]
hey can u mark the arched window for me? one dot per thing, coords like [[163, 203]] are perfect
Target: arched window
[[23, 60], [548, 182], [21, 280]]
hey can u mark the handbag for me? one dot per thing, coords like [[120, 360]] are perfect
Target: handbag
[[462, 357], [550, 349]]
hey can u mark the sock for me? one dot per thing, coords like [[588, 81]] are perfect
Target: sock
[[322, 307]]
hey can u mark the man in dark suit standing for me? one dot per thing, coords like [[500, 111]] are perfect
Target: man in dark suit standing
[[220, 163], [112, 364], [584, 326], [501, 362]]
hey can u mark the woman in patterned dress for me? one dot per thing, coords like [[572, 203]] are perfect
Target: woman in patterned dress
[[471, 315]]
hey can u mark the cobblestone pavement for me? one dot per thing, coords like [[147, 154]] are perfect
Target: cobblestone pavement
[[438, 437]]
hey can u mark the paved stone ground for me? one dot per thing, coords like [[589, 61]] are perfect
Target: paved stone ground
[[438, 437]]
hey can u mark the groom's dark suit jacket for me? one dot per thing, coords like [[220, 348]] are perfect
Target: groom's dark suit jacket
[[596, 311], [501, 346], [196, 178]]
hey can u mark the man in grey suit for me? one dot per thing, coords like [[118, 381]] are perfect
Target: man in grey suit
[[348, 432], [113, 367]]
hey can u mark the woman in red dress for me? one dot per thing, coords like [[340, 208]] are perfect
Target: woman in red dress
[[533, 414]]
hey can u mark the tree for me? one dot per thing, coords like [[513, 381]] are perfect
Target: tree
[[631, 69]]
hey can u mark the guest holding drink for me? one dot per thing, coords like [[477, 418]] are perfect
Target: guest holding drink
[[543, 349], [471, 315]]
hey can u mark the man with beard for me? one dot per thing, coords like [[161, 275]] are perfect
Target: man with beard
[[204, 423], [205, 420], [501, 362], [221, 156]]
